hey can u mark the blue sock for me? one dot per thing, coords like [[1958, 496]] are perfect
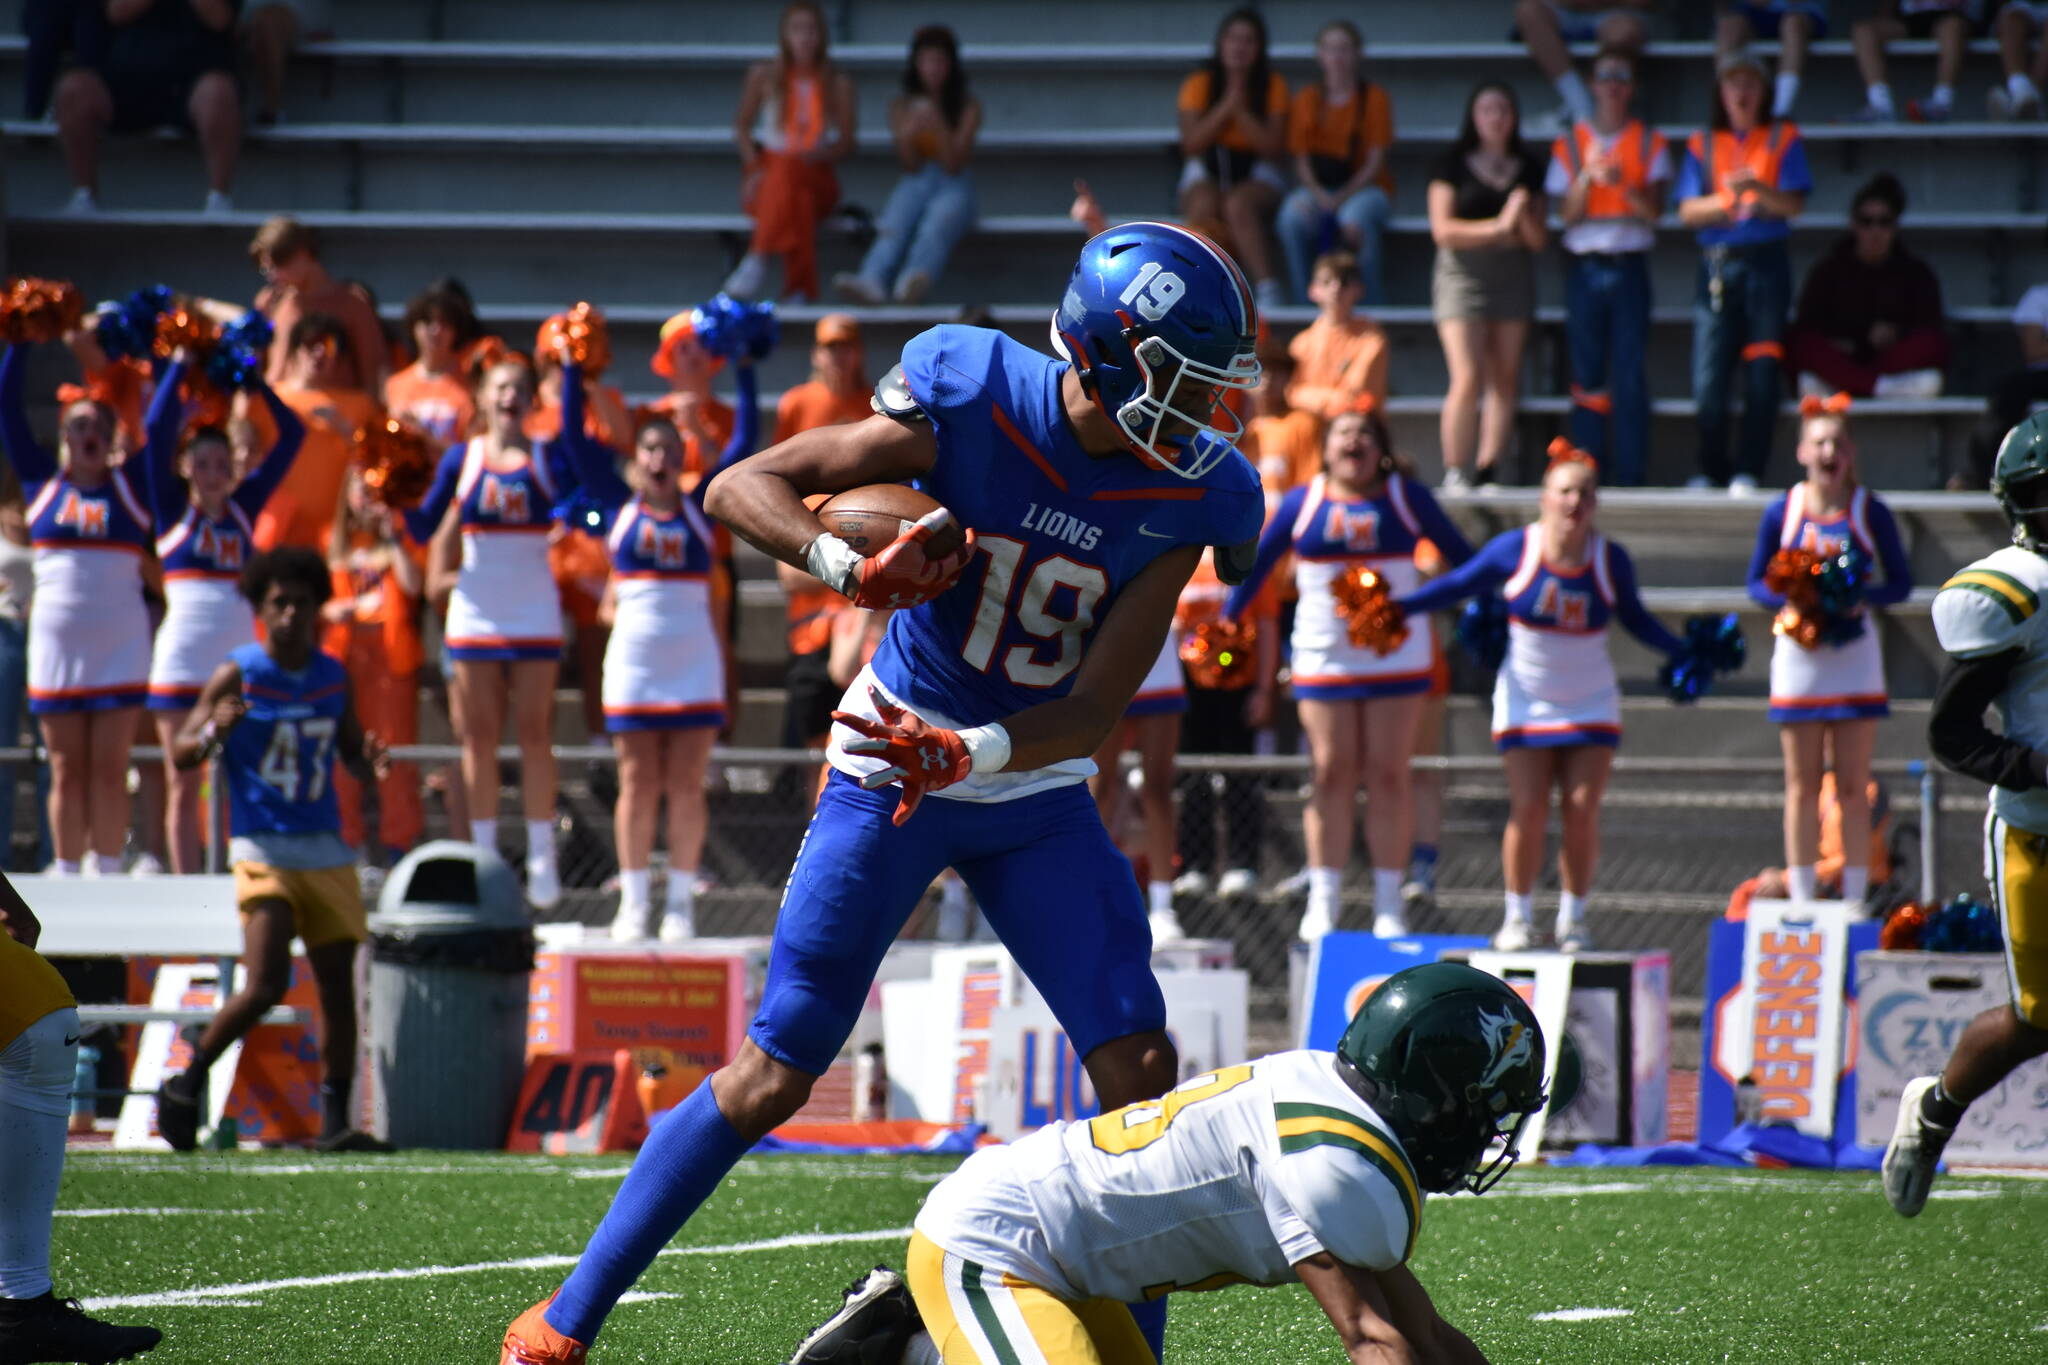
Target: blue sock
[[1151, 1318], [686, 1156], [1422, 865]]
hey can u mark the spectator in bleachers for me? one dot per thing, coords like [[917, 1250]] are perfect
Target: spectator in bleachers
[[795, 120], [2014, 395], [1224, 716], [319, 386], [17, 592], [1358, 708], [88, 636], [2020, 23], [372, 620], [1951, 23], [1233, 129], [1283, 444], [271, 31], [1870, 320], [296, 283], [1827, 699], [1546, 26], [1340, 355], [1794, 24], [55, 28], [431, 392], [934, 122], [1340, 132], [1486, 215], [1609, 177], [701, 418], [165, 62], [1744, 177]]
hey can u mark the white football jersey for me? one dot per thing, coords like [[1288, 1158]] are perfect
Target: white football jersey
[[1992, 606], [1229, 1178]]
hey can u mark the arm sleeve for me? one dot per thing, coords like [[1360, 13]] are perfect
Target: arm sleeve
[[1769, 532], [564, 454], [746, 428], [1956, 731], [1688, 177], [1794, 175], [255, 490], [162, 426], [1482, 573], [1891, 556], [1273, 543], [1437, 526], [32, 464], [421, 522], [1628, 605]]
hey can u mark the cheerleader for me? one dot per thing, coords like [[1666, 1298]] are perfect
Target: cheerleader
[[1827, 699], [1358, 708], [1556, 703], [705, 420], [488, 513], [208, 521], [1151, 725], [88, 636], [668, 679]]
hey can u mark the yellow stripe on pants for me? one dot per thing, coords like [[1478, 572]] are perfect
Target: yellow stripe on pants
[[1056, 1331]]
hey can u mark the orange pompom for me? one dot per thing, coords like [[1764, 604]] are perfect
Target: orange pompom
[[1794, 574], [582, 332], [1371, 618], [397, 462], [205, 404], [33, 310], [1902, 931], [1219, 655], [181, 327]]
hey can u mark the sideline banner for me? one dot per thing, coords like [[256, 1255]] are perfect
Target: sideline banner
[[1346, 967]]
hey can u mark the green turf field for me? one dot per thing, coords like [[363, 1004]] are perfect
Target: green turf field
[[426, 1257]]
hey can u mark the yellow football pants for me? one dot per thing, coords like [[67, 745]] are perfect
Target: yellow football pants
[[985, 1317], [2016, 865]]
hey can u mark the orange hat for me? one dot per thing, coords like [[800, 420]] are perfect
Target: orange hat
[[675, 333], [837, 327]]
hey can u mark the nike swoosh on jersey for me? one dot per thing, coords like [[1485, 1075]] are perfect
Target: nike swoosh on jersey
[[72, 1039], [1144, 530]]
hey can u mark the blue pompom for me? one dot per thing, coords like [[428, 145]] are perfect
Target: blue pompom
[[1713, 646], [239, 355], [580, 511], [127, 330], [1483, 631], [1839, 592], [1964, 925], [729, 328]]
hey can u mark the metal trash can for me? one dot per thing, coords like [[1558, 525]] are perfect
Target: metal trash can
[[450, 951]]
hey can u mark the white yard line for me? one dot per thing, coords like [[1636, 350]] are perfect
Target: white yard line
[[152, 1213], [1582, 1314], [210, 1293]]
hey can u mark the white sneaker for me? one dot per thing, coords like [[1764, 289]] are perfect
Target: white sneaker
[[83, 203], [1191, 883], [1455, 480], [146, 865], [1513, 936], [218, 204], [1914, 1153], [57, 872], [1742, 486], [543, 883], [630, 924], [678, 926], [1389, 926], [1908, 384], [1166, 927], [1238, 881], [1699, 483], [1315, 922], [747, 277], [1574, 939], [912, 288], [1417, 895], [849, 285]]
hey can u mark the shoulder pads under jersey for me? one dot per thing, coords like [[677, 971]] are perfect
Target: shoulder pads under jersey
[[893, 398]]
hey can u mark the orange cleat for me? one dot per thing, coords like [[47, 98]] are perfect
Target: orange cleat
[[530, 1341]]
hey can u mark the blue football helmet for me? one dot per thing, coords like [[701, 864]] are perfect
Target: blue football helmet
[[1160, 326]]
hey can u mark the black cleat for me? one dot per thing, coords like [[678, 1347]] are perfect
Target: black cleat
[[52, 1330], [177, 1114], [871, 1327], [352, 1140]]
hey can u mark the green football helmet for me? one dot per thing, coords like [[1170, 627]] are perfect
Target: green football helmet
[[2019, 480], [1452, 1059]]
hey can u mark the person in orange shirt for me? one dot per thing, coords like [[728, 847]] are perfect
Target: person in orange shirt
[[703, 420], [373, 628], [1233, 126], [1340, 355], [432, 392], [297, 286], [1285, 445], [317, 387], [796, 118], [1339, 132]]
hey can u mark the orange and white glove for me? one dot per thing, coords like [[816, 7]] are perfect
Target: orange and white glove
[[924, 758], [900, 576]]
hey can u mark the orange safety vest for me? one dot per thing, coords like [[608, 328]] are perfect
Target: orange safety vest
[[1721, 151], [1637, 148]]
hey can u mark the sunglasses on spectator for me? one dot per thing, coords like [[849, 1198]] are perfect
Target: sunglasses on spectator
[[1876, 220], [1613, 73]]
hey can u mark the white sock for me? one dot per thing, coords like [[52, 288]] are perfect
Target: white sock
[[1787, 94], [1521, 906], [1325, 884], [1944, 97], [920, 1350], [540, 841], [1880, 98], [1571, 909], [2021, 87], [63, 867], [36, 1072], [1160, 894], [682, 891], [1575, 95], [107, 864], [484, 834], [1386, 890], [1800, 883], [634, 884], [1855, 884]]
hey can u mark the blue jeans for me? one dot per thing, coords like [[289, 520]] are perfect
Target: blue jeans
[[1607, 327], [1305, 232], [927, 214], [1747, 333]]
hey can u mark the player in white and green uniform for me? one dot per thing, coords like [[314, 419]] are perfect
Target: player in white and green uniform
[[1308, 1166], [1989, 620]]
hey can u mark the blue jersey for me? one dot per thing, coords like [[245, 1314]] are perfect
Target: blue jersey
[[279, 758], [1060, 532]]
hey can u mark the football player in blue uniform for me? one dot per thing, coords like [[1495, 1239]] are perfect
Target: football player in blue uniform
[[279, 715], [1092, 483]]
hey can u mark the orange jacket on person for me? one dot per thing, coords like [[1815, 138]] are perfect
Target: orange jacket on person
[[813, 404], [301, 511]]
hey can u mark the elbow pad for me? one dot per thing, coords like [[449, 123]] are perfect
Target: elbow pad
[[1234, 562]]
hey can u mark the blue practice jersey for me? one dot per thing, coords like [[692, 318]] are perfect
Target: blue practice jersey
[[1060, 532], [279, 759]]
